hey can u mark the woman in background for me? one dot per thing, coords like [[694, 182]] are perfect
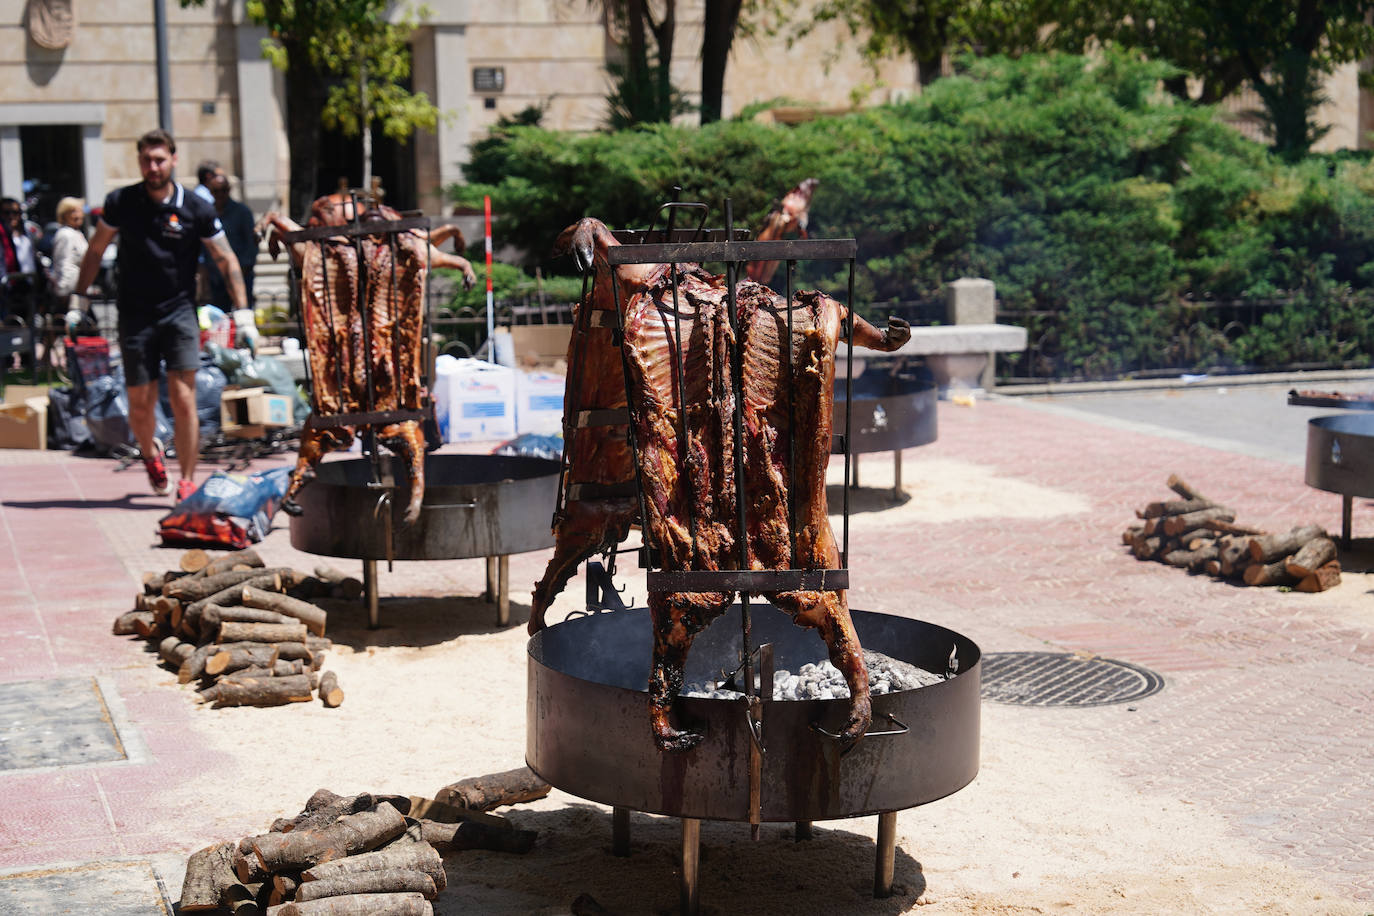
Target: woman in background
[[68, 248]]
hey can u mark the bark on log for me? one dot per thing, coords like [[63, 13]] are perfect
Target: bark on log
[[1146, 548], [340, 583], [240, 614], [404, 904], [1131, 533], [482, 793], [1178, 525], [1218, 525], [284, 887], [330, 693], [1200, 538], [324, 807], [227, 597], [404, 853], [280, 669], [236, 631], [173, 651], [1190, 559], [1312, 556], [1328, 576], [209, 873], [262, 691], [476, 835], [237, 659], [1178, 485], [350, 835], [1267, 574], [127, 624], [1234, 556], [246, 864], [1175, 507], [1271, 547], [309, 614], [384, 881], [239, 559], [154, 583], [193, 589], [149, 627], [193, 560]]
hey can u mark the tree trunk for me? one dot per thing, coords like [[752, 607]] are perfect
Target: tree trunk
[[348, 836], [209, 872], [313, 616], [238, 659], [718, 35], [404, 853], [194, 588], [261, 691], [236, 631], [407, 904], [1178, 525], [1174, 507], [305, 95], [384, 881], [482, 793]]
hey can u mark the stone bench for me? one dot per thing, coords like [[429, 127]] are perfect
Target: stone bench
[[957, 355]]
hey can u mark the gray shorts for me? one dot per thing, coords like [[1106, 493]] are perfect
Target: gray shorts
[[146, 344]]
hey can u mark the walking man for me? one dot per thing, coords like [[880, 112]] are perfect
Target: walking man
[[162, 228]]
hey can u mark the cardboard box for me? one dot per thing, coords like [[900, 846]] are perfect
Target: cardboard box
[[24, 417], [248, 412], [541, 346], [539, 402], [474, 401]]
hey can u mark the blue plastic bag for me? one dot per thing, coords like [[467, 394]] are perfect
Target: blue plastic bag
[[227, 510]]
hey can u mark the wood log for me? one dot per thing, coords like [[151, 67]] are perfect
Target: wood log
[[383, 881], [1131, 533], [476, 835], [1191, 559], [350, 835], [1178, 525], [173, 651], [280, 669], [1216, 524], [246, 865], [154, 583], [240, 614], [410, 852], [1313, 555], [400, 904], [126, 624], [324, 807], [309, 614], [1234, 555], [1147, 548], [209, 873], [1196, 540], [482, 793], [262, 691], [149, 626], [1178, 485], [1320, 579], [227, 597], [330, 693], [236, 659], [1275, 573], [1153, 527], [193, 667], [240, 559], [237, 631], [195, 588], [284, 887], [341, 584], [1212, 567], [1270, 547], [193, 560], [1174, 507]]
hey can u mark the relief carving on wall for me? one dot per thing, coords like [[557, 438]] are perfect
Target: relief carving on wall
[[51, 23]]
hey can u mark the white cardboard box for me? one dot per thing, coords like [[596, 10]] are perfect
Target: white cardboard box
[[474, 400], [539, 402]]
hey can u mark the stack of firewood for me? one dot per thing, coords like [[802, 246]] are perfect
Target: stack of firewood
[[247, 633], [377, 855], [1200, 535]]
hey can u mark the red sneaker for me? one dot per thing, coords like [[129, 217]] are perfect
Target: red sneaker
[[185, 488], [157, 470]]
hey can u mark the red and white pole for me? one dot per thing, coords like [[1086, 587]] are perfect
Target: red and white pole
[[491, 308]]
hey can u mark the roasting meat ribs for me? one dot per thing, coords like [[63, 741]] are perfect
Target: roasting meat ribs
[[689, 487], [389, 271]]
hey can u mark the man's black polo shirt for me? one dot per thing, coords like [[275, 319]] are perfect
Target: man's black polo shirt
[[159, 247]]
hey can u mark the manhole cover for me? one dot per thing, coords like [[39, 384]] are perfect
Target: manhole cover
[[1064, 679], [57, 722]]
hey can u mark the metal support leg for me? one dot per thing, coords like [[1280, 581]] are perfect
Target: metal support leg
[[1347, 502], [503, 591], [897, 474], [691, 862], [887, 854], [370, 592], [802, 831], [620, 831], [490, 593], [854, 471]]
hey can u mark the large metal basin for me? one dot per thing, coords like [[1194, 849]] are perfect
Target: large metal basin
[[474, 506], [1340, 454], [891, 411], [587, 722]]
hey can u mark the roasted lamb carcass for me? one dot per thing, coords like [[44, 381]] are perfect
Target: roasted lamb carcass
[[389, 272], [690, 491]]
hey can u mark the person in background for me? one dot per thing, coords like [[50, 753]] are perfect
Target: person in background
[[207, 169], [68, 248], [237, 220], [162, 229], [18, 262]]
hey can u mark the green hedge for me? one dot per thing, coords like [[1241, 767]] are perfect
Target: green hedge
[[1109, 216]]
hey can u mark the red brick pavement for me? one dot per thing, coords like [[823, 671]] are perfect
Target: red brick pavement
[[1265, 716]]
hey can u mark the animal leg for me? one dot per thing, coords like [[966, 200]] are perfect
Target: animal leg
[[316, 442], [677, 619], [828, 612], [585, 528], [407, 440]]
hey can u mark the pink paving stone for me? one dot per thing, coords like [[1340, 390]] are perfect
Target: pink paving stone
[[39, 820], [48, 852]]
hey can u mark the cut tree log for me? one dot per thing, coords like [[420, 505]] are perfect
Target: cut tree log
[[476, 835], [1270, 547], [191, 589], [1313, 555], [228, 660], [1200, 538], [1179, 525], [331, 695], [1131, 533], [126, 624], [193, 560], [1178, 485], [1322, 578], [227, 597], [236, 631], [239, 559], [1174, 507], [280, 669], [1267, 574], [213, 614], [1234, 555], [284, 887], [309, 614], [1218, 525], [482, 793], [154, 583], [1191, 559], [173, 651], [403, 904], [324, 807], [261, 691], [1147, 548], [348, 836], [383, 881], [209, 873], [149, 627], [410, 852], [341, 584]]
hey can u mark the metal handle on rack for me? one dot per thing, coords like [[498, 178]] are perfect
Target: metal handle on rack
[[902, 729], [471, 505]]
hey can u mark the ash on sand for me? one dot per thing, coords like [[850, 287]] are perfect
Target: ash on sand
[[823, 681]]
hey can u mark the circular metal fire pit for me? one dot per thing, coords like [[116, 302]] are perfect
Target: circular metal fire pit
[[892, 411], [475, 506], [1340, 459], [587, 727]]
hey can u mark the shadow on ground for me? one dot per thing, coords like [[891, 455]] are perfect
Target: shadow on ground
[[864, 499], [416, 621]]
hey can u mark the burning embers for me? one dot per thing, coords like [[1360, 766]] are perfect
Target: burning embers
[[823, 681], [362, 301], [729, 402]]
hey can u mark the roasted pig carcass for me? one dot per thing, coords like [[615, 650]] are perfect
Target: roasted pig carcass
[[789, 216], [685, 439], [356, 369]]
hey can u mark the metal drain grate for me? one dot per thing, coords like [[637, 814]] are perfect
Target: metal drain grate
[[1064, 679]]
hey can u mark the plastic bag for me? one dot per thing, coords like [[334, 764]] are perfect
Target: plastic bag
[[532, 445], [67, 427], [227, 510], [107, 414]]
